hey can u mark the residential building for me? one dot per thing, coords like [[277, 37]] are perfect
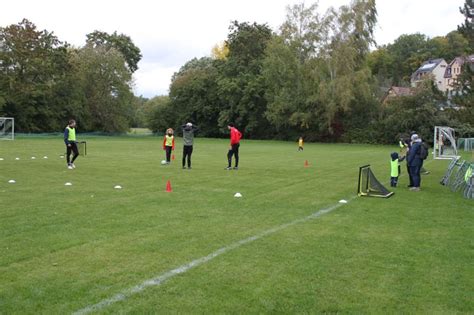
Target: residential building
[[453, 70], [434, 69]]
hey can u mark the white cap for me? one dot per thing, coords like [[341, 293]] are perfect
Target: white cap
[[189, 124]]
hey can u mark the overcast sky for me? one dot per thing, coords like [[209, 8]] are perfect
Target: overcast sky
[[171, 32]]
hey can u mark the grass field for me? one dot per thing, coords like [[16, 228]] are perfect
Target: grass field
[[65, 249]]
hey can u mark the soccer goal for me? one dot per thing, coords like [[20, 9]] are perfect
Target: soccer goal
[[444, 143], [369, 185], [7, 128]]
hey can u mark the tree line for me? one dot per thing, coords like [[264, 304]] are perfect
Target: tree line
[[44, 82], [315, 77]]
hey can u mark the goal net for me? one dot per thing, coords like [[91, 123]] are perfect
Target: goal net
[[369, 185], [444, 143], [7, 128]]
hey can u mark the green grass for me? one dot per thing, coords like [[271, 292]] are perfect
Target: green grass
[[65, 248]]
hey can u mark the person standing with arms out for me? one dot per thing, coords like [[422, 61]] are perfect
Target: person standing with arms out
[[71, 144], [300, 144], [168, 144], [235, 136], [188, 140]]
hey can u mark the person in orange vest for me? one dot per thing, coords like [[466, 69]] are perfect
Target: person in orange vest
[[168, 144], [235, 136]]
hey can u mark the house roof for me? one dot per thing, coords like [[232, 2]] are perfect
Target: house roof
[[400, 90], [460, 61], [396, 91], [427, 67]]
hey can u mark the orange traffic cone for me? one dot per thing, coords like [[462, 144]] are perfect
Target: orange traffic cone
[[306, 164], [168, 187], [172, 157]]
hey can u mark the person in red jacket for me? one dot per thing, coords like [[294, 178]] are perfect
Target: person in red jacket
[[235, 136]]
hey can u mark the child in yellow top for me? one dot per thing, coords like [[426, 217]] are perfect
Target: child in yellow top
[[168, 144], [300, 144]]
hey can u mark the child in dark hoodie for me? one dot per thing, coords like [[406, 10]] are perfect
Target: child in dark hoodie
[[395, 168]]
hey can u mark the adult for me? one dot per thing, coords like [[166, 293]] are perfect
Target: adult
[[188, 140], [235, 136], [415, 162], [404, 152], [71, 144]]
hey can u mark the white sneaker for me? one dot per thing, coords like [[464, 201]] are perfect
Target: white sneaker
[[69, 167], [73, 166]]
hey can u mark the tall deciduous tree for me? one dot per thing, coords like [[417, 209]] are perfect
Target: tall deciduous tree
[[33, 64], [105, 82], [241, 85], [467, 29], [121, 43]]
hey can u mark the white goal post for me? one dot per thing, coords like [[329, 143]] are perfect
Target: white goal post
[[444, 143], [7, 128]]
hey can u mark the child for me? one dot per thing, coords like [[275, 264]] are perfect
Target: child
[[395, 168], [168, 144], [300, 144]]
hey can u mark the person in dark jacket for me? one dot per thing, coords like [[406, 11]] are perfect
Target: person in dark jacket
[[188, 140], [415, 162]]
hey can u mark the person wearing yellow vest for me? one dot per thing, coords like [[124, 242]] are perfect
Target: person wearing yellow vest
[[71, 144], [168, 144], [300, 144], [395, 168]]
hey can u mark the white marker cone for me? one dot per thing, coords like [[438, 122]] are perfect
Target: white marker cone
[[1, 159], [238, 195], [11, 181], [342, 201], [33, 158], [17, 159], [68, 184], [118, 187], [45, 157]]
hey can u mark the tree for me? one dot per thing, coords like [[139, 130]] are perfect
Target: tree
[[316, 72], [161, 114], [194, 97], [241, 87], [105, 82], [464, 85], [220, 51], [467, 29], [121, 43], [33, 65], [292, 71], [420, 112]]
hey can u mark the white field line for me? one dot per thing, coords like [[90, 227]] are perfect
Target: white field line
[[158, 280]]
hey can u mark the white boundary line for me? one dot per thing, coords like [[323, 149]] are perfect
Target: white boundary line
[[158, 280]]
